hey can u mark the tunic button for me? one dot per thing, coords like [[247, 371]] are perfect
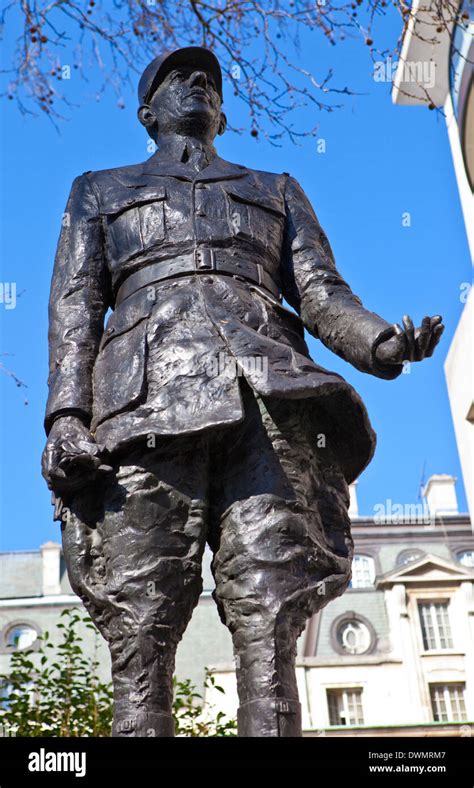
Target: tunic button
[[207, 280], [130, 201]]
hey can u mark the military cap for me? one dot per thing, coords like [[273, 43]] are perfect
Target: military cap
[[156, 71]]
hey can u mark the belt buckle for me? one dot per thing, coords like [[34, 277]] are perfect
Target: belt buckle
[[204, 259]]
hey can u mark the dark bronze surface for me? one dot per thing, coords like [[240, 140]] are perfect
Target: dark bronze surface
[[197, 415]]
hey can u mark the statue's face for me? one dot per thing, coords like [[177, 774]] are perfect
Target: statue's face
[[187, 100]]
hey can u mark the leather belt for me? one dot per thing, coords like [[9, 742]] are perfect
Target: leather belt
[[203, 260]]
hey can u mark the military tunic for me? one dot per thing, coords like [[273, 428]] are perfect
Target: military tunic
[[202, 391]]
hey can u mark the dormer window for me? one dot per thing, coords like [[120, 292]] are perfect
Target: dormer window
[[363, 572], [466, 558], [409, 556], [20, 637]]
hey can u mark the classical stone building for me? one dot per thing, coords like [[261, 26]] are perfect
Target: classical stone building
[[34, 590], [394, 656]]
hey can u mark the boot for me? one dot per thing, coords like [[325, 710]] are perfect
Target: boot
[[269, 717], [143, 724]]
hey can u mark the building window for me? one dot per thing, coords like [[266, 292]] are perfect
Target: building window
[[345, 706], [21, 636], [435, 626], [5, 690], [354, 637], [352, 634], [8, 693], [447, 702], [363, 572], [466, 558], [408, 556]]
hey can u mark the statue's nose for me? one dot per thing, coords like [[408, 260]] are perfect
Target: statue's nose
[[198, 78]]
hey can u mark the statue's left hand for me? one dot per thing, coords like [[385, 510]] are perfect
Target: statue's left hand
[[411, 344]]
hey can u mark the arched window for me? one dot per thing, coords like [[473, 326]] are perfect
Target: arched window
[[466, 558], [21, 636], [408, 556], [363, 572]]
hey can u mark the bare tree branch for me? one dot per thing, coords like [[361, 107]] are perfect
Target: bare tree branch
[[19, 383], [108, 42]]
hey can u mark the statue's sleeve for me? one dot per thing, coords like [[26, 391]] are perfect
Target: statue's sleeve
[[314, 287], [79, 298]]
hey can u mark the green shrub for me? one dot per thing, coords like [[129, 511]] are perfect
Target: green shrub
[[54, 690]]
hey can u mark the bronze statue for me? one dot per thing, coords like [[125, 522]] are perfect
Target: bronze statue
[[197, 415]]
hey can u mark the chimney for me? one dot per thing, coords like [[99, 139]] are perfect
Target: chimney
[[440, 494], [353, 505], [51, 555]]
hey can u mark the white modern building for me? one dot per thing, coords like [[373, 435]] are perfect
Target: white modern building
[[459, 370], [436, 67]]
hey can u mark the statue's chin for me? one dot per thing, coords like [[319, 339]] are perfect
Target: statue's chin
[[196, 119]]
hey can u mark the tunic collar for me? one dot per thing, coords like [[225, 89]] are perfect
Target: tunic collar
[[182, 148]]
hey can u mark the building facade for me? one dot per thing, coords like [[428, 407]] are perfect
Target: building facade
[[34, 590], [393, 656]]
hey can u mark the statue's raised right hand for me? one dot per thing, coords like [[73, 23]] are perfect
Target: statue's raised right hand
[[71, 458]]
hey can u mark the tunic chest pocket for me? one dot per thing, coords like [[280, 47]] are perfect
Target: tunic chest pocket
[[255, 214], [134, 221]]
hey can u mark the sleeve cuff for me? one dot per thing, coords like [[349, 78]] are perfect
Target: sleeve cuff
[[386, 371]]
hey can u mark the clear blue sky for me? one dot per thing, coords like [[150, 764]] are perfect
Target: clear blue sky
[[380, 162]]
